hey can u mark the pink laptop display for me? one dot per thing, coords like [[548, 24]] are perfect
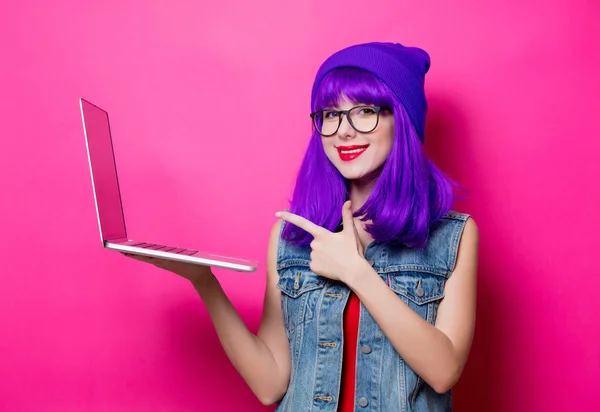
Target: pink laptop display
[[109, 208]]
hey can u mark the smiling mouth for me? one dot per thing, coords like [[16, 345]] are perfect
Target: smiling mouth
[[348, 153]]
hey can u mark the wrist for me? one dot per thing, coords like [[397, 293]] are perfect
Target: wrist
[[204, 281], [358, 272]]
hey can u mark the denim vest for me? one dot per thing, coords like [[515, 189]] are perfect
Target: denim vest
[[313, 309]]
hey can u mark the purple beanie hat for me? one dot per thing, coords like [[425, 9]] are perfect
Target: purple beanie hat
[[400, 67]]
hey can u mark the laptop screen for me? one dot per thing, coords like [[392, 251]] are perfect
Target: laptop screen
[[104, 172]]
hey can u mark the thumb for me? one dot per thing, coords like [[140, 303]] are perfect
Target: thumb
[[347, 218], [350, 227]]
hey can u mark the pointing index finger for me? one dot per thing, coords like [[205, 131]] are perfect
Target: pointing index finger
[[302, 223]]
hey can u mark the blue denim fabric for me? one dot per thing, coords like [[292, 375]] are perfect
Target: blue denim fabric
[[313, 308]]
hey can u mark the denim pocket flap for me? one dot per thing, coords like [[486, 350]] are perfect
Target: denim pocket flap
[[295, 281], [419, 287]]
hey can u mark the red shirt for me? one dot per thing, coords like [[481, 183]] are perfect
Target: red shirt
[[351, 317]]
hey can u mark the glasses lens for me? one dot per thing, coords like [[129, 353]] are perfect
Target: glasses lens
[[364, 118], [326, 122]]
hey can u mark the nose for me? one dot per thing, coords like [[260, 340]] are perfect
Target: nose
[[346, 131]]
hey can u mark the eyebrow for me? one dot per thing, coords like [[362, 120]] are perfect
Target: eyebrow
[[356, 105]]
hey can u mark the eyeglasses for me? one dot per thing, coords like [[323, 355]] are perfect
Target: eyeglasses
[[363, 119]]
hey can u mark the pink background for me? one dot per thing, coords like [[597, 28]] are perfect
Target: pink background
[[209, 108]]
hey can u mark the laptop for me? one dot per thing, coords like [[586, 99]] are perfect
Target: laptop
[[109, 208]]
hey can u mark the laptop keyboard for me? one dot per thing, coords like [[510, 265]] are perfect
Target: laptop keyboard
[[163, 248]]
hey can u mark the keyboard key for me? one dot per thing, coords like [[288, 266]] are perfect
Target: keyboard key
[[154, 247], [189, 252]]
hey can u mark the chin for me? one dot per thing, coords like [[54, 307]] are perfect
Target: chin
[[359, 172], [358, 169], [351, 173]]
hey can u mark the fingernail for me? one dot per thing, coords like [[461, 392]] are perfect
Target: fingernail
[[278, 214]]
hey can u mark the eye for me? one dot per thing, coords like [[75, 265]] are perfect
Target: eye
[[329, 114], [367, 111]]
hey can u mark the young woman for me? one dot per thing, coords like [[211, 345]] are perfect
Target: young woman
[[371, 276]]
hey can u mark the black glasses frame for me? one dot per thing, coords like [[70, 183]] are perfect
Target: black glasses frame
[[377, 109]]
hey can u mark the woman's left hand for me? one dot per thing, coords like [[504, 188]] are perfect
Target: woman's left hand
[[336, 256]]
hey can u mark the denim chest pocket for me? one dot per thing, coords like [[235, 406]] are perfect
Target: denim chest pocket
[[421, 291], [301, 290]]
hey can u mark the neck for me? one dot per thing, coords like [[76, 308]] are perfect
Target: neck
[[360, 190]]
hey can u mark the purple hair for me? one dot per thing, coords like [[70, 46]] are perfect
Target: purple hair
[[410, 194]]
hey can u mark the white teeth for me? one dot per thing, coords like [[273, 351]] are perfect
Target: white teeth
[[353, 151]]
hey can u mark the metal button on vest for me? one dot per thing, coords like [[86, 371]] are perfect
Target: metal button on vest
[[363, 402], [420, 292], [366, 349]]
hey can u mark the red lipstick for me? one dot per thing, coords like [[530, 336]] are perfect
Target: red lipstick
[[348, 153]]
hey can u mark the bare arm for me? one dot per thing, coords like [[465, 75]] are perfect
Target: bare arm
[[263, 361], [448, 342]]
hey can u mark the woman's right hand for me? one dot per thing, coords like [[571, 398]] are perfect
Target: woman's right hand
[[196, 274], [263, 360]]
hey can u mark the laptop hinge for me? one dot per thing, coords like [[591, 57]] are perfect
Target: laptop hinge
[[118, 240]]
